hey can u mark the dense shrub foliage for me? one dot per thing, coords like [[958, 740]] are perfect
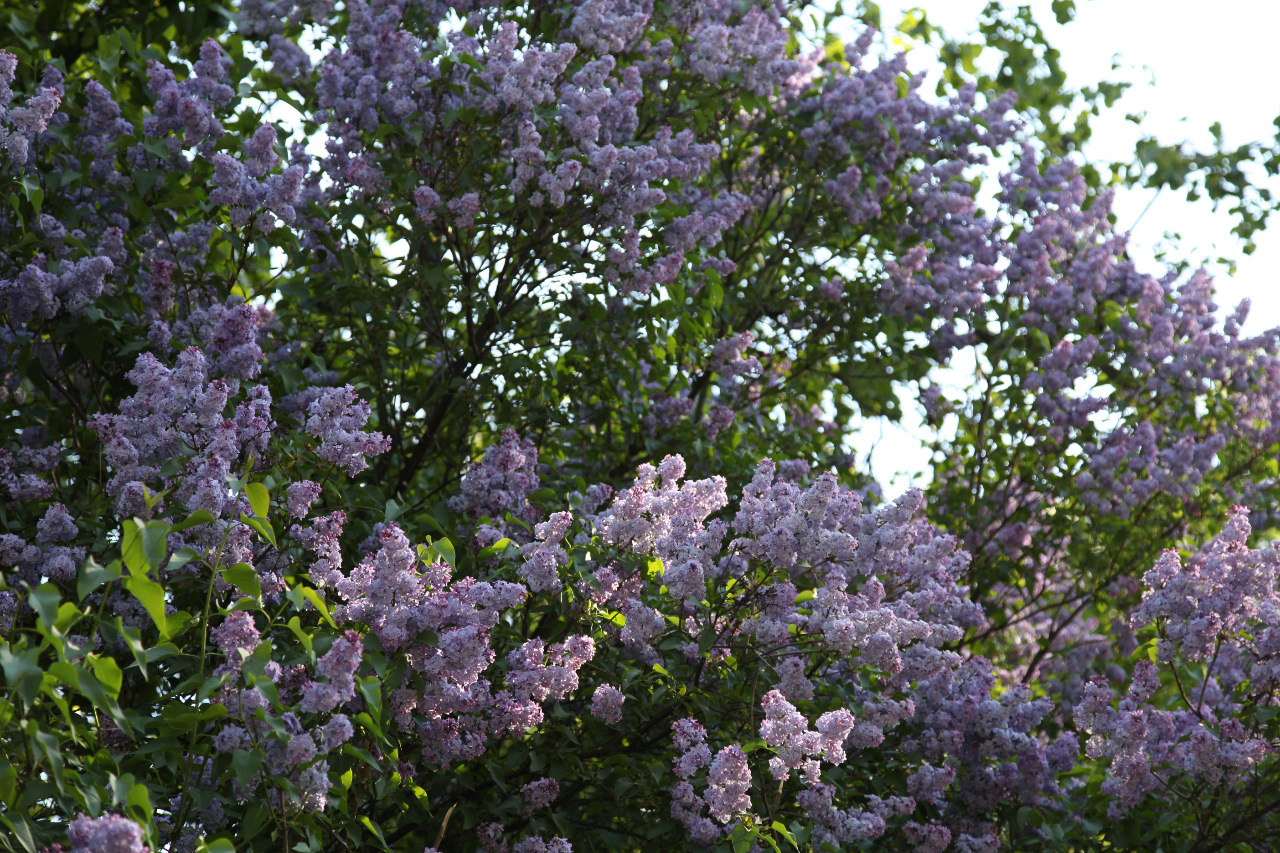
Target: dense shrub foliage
[[428, 426]]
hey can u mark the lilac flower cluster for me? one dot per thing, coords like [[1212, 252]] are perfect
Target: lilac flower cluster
[[539, 794], [184, 111], [787, 731], [661, 517], [606, 704], [175, 408], [107, 834], [544, 555], [338, 666], [246, 187], [337, 417], [1219, 593], [236, 637], [690, 740], [1139, 741], [19, 126], [500, 483]]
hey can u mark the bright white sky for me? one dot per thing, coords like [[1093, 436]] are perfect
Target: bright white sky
[[1190, 66]]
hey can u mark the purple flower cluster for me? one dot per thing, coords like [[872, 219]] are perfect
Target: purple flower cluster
[[661, 517], [606, 704], [236, 638], [500, 483], [176, 408], [544, 555], [338, 666], [107, 834], [1138, 740], [19, 126], [246, 187], [787, 732], [337, 417], [184, 111], [1214, 597], [539, 794]]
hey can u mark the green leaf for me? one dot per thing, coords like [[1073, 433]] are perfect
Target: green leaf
[[151, 595], [200, 516], [259, 499], [217, 845], [262, 526], [133, 639], [180, 558], [494, 550], [142, 545], [393, 511], [444, 548], [18, 666], [108, 672], [314, 597], [349, 748], [373, 827], [44, 601], [48, 743], [139, 800], [295, 625], [246, 763], [245, 577], [94, 575], [21, 830], [371, 689], [785, 833], [32, 190], [742, 838]]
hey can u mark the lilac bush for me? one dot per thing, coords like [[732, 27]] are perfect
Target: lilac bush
[[428, 428]]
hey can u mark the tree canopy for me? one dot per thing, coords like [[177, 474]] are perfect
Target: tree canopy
[[430, 426]]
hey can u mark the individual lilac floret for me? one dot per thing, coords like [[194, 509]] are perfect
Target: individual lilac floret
[[606, 704], [107, 834]]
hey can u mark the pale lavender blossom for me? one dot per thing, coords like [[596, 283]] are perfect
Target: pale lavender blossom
[[606, 704], [107, 834]]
